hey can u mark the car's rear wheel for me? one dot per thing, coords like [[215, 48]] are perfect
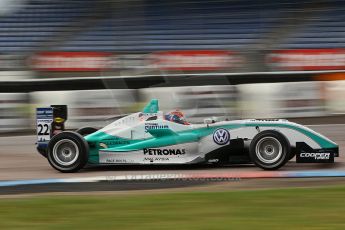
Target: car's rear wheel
[[68, 152], [86, 131], [269, 150]]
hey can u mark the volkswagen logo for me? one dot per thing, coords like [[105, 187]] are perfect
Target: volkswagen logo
[[221, 136]]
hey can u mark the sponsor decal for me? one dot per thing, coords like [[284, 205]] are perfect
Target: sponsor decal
[[269, 120], [117, 142], [44, 119], [187, 60], [59, 120], [152, 159], [44, 113], [307, 59], [316, 156], [306, 154], [191, 60], [221, 136], [149, 126], [116, 161], [72, 61], [170, 152]]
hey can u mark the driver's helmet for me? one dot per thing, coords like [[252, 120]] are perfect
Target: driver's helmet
[[176, 116]]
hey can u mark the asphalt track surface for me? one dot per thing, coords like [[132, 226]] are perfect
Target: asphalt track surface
[[19, 160]]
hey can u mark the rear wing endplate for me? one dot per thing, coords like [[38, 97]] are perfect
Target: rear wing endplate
[[49, 122]]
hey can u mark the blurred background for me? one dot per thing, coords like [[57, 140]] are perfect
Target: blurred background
[[236, 58]]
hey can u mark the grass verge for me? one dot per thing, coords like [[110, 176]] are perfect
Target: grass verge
[[300, 208]]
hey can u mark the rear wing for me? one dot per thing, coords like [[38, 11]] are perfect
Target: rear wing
[[49, 122]]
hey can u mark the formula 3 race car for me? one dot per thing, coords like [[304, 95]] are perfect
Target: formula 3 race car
[[151, 137]]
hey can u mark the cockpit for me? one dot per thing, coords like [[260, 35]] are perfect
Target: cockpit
[[151, 112], [176, 116]]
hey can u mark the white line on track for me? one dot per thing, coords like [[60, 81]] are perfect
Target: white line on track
[[319, 125]]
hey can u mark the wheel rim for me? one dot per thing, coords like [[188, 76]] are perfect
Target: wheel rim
[[65, 152], [268, 150]]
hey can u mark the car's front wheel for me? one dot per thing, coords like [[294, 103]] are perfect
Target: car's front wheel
[[68, 152], [269, 150]]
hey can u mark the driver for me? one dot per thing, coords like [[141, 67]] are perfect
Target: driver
[[176, 116]]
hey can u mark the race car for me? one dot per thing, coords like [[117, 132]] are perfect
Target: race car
[[151, 137]]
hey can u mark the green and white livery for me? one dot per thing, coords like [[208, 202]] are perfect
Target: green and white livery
[[148, 137]]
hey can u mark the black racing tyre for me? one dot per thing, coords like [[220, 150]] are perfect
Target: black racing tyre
[[86, 131], [68, 152], [269, 150]]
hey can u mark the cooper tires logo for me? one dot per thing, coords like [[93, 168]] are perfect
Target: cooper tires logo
[[316, 156], [221, 136]]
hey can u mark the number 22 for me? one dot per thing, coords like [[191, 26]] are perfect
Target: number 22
[[43, 129]]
